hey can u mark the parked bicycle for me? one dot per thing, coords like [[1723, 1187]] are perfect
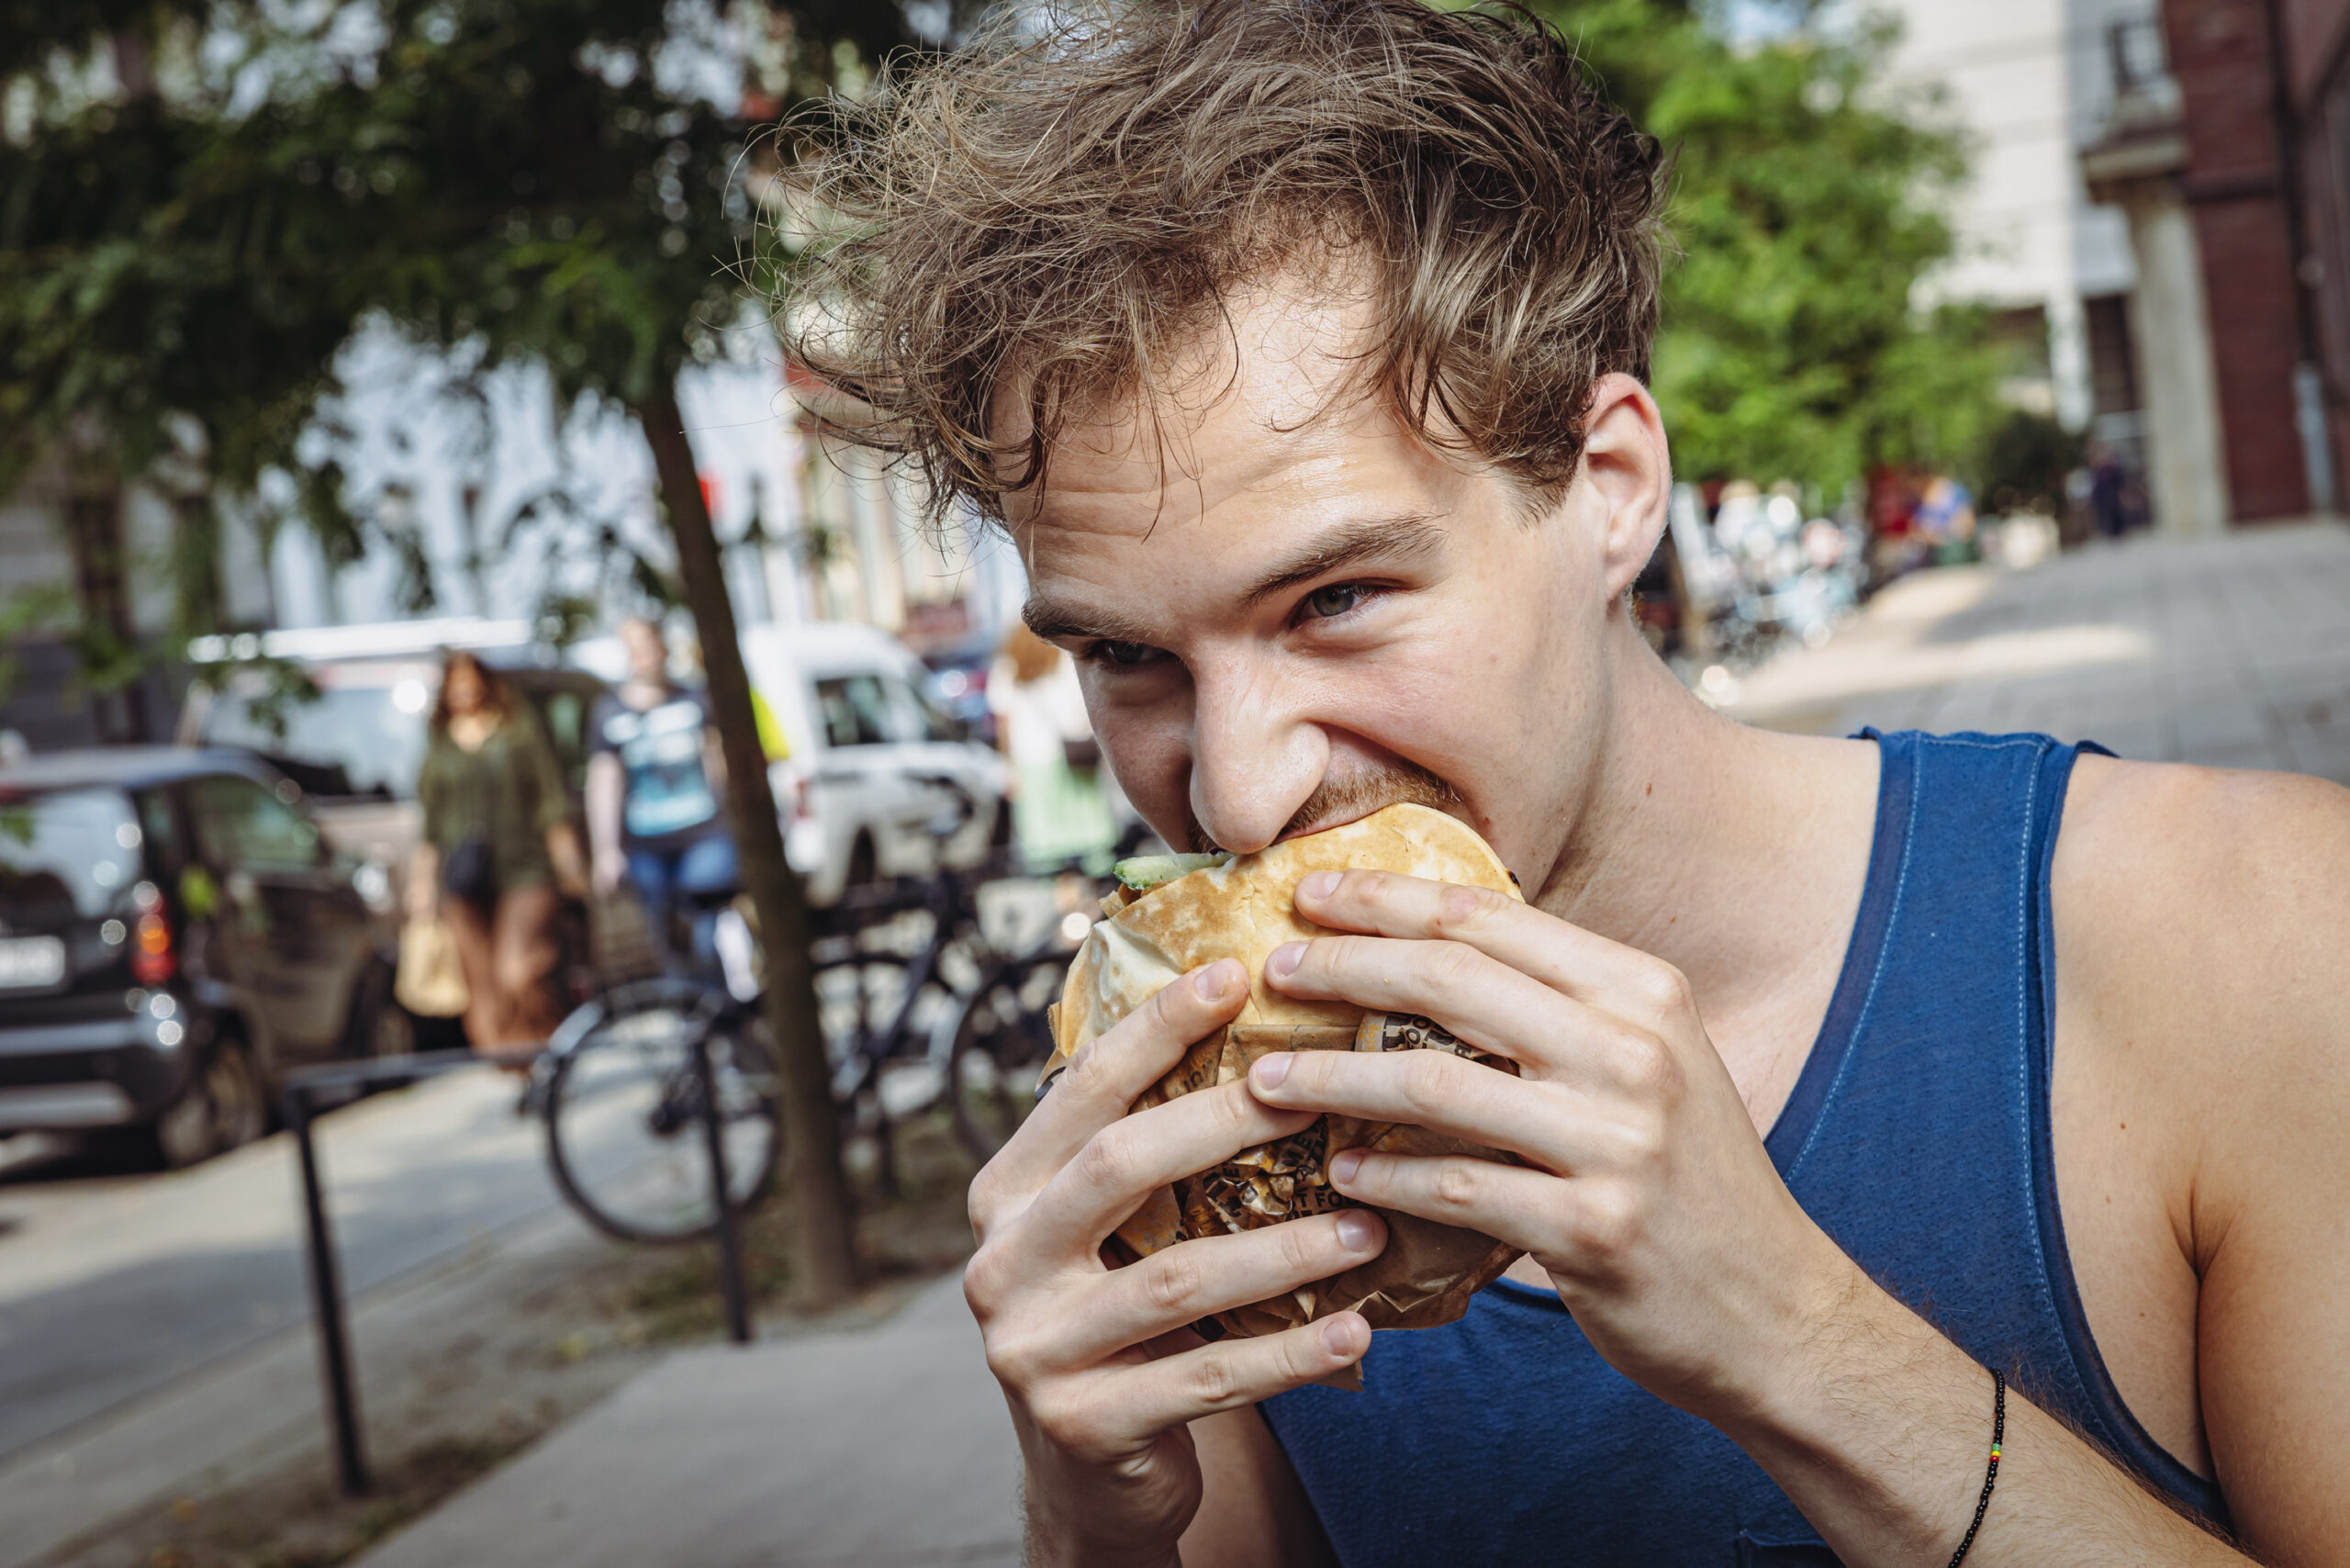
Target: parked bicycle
[[917, 1001]]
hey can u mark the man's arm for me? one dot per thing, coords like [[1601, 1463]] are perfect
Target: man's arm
[[2203, 920], [1646, 1195], [1253, 1512], [1880, 1432]]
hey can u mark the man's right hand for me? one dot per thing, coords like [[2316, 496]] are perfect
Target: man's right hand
[[1100, 1365]]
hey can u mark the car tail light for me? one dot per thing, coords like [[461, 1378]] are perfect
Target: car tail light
[[153, 960]]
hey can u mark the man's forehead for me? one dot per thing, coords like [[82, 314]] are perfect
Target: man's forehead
[[1273, 379]]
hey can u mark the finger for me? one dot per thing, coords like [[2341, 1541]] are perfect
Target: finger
[[1108, 1074], [1508, 1203], [1132, 1157], [1484, 1001], [1185, 1282], [1564, 958], [1553, 1125], [1116, 1410]]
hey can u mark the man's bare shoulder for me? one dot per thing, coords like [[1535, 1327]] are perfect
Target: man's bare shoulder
[[2203, 916], [2202, 864]]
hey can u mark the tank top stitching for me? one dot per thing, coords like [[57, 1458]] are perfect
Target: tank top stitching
[[1849, 1046], [2028, 742], [2025, 959], [2080, 1349]]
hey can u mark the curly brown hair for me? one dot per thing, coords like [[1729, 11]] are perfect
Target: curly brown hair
[[1057, 209]]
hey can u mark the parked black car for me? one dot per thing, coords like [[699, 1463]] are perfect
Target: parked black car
[[175, 933]]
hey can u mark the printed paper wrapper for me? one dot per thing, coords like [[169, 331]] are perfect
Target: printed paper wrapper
[[1424, 1275]]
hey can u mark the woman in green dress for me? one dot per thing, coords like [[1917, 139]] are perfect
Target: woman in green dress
[[497, 854]]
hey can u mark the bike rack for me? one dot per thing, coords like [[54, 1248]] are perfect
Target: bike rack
[[301, 1091]]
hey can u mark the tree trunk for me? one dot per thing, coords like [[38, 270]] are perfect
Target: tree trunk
[[824, 1261], [109, 644]]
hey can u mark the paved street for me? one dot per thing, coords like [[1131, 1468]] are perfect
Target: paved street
[[155, 1329], [2232, 652], [111, 1289]]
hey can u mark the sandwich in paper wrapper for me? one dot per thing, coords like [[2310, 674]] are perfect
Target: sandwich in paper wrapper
[[1242, 909]]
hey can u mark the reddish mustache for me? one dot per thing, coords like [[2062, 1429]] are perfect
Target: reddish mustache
[[1387, 784]]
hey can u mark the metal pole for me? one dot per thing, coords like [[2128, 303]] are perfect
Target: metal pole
[[326, 1300], [730, 1253]]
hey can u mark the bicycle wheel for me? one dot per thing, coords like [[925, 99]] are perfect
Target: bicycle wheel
[[624, 1110], [1000, 1048], [889, 1006]]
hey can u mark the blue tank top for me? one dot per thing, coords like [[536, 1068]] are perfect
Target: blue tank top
[[1917, 1135]]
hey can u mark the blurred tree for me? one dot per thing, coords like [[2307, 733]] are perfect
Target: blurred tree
[[1805, 210], [2026, 461], [201, 199], [575, 185], [169, 311]]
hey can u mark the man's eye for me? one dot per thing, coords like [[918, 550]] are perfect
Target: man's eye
[[1125, 653], [1334, 601]]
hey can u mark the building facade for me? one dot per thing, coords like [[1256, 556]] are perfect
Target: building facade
[[2229, 161], [2157, 206]]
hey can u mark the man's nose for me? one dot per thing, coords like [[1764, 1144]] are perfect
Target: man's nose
[[1255, 760]]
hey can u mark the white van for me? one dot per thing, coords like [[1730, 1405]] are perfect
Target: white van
[[861, 791]]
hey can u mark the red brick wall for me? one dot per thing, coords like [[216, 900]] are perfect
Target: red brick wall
[[2315, 33], [2317, 59], [2219, 53]]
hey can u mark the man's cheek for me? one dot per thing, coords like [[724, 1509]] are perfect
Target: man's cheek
[[1152, 761]]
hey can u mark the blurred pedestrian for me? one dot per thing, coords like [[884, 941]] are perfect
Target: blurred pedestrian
[[1945, 515], [498, 853], [2109, 491], [653, 816], [1061, 805]]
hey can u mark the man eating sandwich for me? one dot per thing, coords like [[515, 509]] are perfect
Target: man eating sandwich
[[1914, 1149]]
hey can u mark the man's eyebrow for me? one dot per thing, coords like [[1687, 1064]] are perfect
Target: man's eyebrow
[[1385, 539], [1050, 617]]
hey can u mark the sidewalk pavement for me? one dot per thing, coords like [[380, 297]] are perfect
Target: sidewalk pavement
[[2232, 652], [883, 1449]]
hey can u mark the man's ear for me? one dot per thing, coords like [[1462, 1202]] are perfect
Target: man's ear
[[1628, 469]]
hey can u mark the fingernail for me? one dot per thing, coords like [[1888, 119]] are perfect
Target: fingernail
[[1357, 1231], [1271, 1068], [1320, 885], [1284, 959], [1214, 982], [1343, 1168], [1338, 1337]]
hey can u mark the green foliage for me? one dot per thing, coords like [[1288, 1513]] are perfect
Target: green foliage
[[184, 254], [1804, 209]]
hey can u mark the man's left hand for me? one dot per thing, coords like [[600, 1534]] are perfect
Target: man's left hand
[[1646, 1193]]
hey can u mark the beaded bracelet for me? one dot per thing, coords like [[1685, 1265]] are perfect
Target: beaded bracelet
[[1991, 1477]]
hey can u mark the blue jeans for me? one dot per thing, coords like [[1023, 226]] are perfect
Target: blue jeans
[[705, 874]]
